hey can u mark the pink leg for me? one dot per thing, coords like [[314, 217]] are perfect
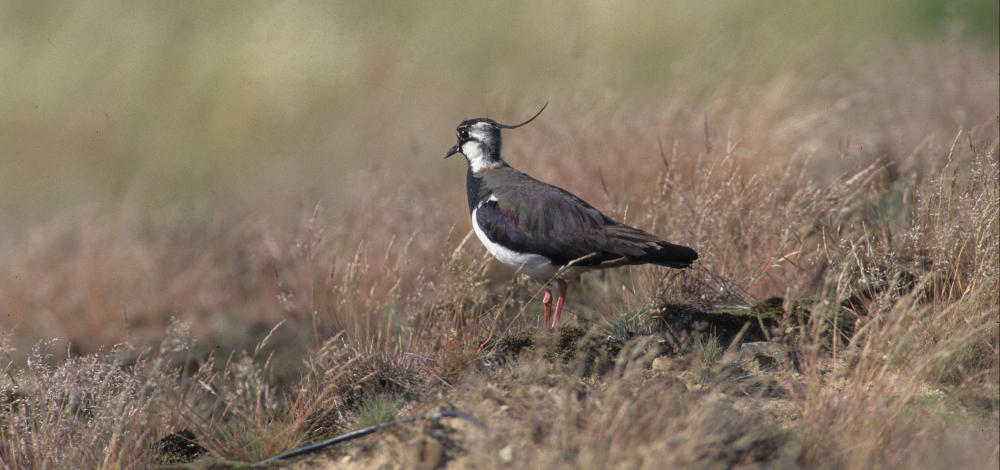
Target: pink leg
[[559, 303], [547, 305]]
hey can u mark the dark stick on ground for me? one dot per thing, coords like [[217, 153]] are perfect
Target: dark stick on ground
[[437, 414]]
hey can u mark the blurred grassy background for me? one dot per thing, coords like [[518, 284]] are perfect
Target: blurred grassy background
[[192, 98], [184, 133]]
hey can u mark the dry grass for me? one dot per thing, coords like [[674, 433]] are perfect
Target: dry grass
[[912, 261], [276, 301]]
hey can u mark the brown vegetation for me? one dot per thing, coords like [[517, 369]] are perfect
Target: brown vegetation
[[847, 216]]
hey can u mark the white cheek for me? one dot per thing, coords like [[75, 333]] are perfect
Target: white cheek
[[473, 151]]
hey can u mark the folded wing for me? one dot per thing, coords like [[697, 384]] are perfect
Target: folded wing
[[548, 221]]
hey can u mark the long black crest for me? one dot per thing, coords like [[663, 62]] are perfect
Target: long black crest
[[504, 126]]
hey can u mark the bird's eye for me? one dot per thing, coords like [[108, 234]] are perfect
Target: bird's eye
[[463, 134]]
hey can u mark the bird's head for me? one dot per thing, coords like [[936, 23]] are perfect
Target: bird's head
[[479, 140]]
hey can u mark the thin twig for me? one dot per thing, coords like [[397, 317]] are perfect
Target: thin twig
[[437, 414]]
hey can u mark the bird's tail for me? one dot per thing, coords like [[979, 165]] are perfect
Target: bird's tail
[[670, 255], [642, 247]]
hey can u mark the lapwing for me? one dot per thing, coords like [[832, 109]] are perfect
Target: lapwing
[[543, 231]]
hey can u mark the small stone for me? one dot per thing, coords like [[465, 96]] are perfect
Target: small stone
[[504, 407], [764, 354], [507, 454], [662, 364], [429, 453]]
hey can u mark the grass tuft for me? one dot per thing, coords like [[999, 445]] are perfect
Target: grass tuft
[[708, 349], [379, 409]]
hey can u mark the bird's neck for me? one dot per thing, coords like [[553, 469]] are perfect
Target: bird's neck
[[475, 188], [481, 157]]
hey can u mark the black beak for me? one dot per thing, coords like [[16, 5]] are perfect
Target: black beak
[[457, 148]]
